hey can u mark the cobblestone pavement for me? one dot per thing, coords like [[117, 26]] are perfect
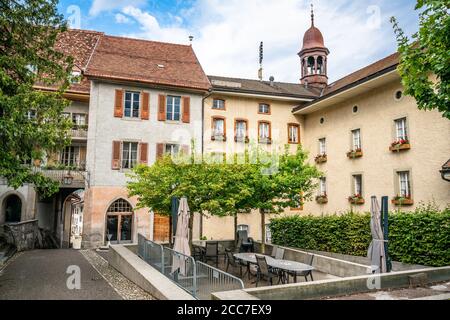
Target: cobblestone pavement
[[124, 287]]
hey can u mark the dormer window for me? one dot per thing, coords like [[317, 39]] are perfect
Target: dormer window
[[75, 77]]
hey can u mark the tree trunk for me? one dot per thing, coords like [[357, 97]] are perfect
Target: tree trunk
[[263, 230], [235, 227]]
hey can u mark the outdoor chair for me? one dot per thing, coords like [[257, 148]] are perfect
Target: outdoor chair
[[274, 251], [264, 271], [279, 254], [305, 274], [197, 253], [232, 261], [211, 252], [245, 242]]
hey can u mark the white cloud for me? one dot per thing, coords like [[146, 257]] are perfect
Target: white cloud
[[120, 18], [99, 6], [227, 34]]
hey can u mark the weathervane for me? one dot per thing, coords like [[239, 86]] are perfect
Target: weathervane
[[261, 57], [312, 14]]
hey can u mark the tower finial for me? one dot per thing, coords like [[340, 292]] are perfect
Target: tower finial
[[312, 15]]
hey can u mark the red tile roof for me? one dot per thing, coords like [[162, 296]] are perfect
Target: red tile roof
[[145, 61]]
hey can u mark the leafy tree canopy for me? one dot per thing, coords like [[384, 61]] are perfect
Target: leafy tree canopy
[[31, 121]]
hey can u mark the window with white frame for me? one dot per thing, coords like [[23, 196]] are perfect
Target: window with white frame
[[79, 119], [264, 108], [323, 186], [401, 129], [322, 146], [132, 103], [294, 130], [172, 149], [218, 127], [356, 139], [268, 234], [404, 183], [218, 104], [129, 155], [357, 184], [241, 129], [70, 156], [264, 130], [173, 107], [243, 227]]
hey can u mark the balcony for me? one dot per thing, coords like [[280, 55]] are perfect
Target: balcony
[[68, 177], [79, 132]]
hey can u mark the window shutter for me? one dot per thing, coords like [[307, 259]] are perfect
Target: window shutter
[[145, 114], [118, 104], [143, 153], [185, 149], [162, 107], [186, 109], [116, 155], [159, 150]]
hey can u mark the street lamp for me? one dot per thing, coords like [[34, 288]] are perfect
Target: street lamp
[[68, 179]]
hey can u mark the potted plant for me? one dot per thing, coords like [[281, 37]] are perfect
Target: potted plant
[[321, 158], [356, 199], [322, 198], [353, 154], [400, 144], [402, 200]]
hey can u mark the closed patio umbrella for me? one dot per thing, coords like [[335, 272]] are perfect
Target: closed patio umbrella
[[376, 249], [181, 243]]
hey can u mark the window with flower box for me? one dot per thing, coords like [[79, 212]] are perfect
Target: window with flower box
[[401, 141], [241, 130], [264, 132], [218, 129], [322, 156], [356, 151], [403, 196], [322, 197], [357, 190]]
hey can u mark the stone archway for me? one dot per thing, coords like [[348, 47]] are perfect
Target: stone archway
[[12, 205], [119, 222]]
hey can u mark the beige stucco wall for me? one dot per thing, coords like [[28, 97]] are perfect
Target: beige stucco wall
[[429, 135]]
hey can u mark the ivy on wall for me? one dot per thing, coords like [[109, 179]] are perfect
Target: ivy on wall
[[419, 237]]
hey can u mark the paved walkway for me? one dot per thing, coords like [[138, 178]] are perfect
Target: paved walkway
[[41, 274]]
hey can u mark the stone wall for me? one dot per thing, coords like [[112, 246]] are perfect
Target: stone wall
[[23, 234]]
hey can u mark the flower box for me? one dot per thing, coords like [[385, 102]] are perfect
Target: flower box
[[321, 158], [356, 199], [242, 139], [219, 138], [400, 145], [402, 201], [265, 140], [353, 154], [322, 199]]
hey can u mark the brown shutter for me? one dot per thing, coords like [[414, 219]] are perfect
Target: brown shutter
[[162, 107], [159, 150], [186, 109], [118, 104], [145, 114], [116, 155], [143, 153]]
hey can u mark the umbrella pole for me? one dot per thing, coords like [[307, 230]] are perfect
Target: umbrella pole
[[385, 224]]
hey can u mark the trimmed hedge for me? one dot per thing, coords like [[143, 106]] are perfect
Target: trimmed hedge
[[419, 237]]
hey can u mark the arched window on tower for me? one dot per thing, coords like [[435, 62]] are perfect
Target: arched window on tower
[[320, 66], [310, 65]]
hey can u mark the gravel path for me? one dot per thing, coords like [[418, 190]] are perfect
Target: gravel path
[[124, 287]]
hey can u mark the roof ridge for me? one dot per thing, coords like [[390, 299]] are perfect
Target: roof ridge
[[86, 31], [263, 81], [146, 40]]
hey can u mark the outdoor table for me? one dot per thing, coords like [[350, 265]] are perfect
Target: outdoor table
[[285, 265]]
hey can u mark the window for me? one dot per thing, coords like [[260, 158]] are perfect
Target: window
[[268, 234], [70, 156], [357, 184], [79, 119], [129, 155], [401, 129], [356, 139], [243, 227], [404, 184], [322, 120], [172, 149], [398, 95], [241, 130], [355, 109], [264, 131], [323, 186], [119, 222], [218, 104], [322, 146], [218, 127], [264, 108], [75, 77], [66, 114], [173, 108], [131, 109], [294, 133]]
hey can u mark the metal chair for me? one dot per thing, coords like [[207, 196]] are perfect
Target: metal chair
[[274, 251], [279, 254], [264, 271], [211, 252], [245, 242], [305, 274], [198, 253], [232, 261]]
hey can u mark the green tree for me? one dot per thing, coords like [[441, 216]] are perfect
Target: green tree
[[425, 62], [31, 121]]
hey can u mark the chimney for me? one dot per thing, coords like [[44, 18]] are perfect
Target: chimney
[[271, 79]]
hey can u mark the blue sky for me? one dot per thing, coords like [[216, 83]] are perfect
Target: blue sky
[[227, 33]]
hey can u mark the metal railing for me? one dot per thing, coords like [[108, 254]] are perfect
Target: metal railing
[[210, 279], [79, 133], [197, 278]]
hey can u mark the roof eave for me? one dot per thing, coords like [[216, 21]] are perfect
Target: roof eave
[[263, 94]]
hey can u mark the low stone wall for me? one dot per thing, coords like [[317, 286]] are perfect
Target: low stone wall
[[337, 267], [144, 275], [339, 287], [22, 234]]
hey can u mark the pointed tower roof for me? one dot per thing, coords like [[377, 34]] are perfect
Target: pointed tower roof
[[313, 37]]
